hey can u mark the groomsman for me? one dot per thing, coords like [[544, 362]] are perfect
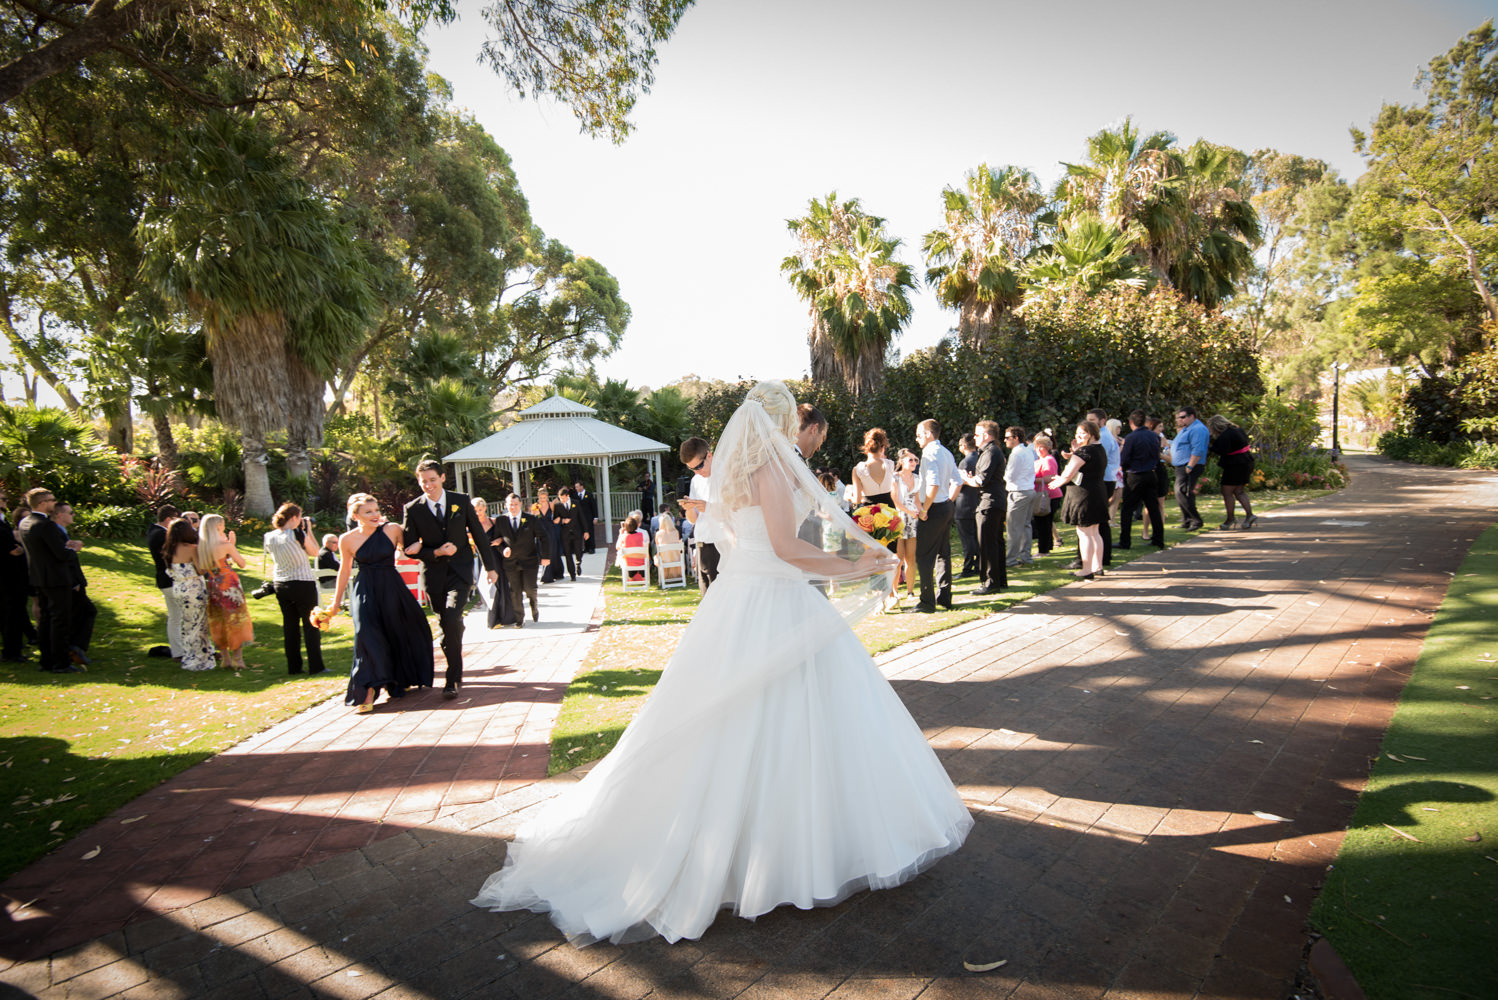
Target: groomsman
[[987, 477], [47, 550], [15, 590], [569, 519], [526, 548], [589, 508], [437, 526]]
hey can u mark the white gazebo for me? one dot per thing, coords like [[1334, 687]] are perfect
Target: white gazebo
[[559, 431]]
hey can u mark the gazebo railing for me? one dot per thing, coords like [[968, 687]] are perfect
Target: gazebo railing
[[621, 504]]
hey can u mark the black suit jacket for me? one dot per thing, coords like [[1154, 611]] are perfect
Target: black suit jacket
[[46, 552], [968, 496], [589, 510], [528, 545], [573, 515], [459, 520], [13, 571], [992, 495]]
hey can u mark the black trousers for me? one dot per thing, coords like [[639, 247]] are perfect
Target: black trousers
[[990, 528], [967, 534], [13, 618], [297, 599], [81, 625], [572, 552], [1139, 490], [933, 555], [450, 600], [54, 624], [1106, 529], [521, 575], [708, 563], [1186, 493]]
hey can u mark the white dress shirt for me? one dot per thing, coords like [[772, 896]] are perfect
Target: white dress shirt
[[1019, 472], [938, 469]]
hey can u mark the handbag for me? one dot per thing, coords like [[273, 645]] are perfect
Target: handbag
[[1043, 504]]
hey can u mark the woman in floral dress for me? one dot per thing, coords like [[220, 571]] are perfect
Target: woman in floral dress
[[180, 551], [228, 617]]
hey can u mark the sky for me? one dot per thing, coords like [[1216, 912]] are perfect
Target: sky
[[758, 107]]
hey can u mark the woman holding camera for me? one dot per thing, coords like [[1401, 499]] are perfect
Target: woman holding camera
[[295, 584]]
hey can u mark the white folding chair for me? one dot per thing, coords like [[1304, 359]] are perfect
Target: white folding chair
[[672, 556], [640, 555]]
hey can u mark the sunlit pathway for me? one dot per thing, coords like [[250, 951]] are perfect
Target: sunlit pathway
[[317, 785], [1161, 763]]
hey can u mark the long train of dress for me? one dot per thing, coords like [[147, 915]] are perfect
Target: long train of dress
[[772, 764]]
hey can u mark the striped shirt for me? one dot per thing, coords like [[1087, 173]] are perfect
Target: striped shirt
[[288, 557]]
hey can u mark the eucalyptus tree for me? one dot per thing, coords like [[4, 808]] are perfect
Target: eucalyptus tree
[[254, 254], [857, 290], [974, 261], [1277, 185]]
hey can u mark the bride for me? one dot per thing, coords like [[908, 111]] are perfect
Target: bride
[[772, 763]]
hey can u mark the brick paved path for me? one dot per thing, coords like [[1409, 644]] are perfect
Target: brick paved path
[[1161, 762]]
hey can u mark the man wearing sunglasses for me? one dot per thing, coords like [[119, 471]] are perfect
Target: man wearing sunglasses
[[697, 456]]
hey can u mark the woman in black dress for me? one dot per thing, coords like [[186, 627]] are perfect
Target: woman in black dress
[[1085, 504], [502, 609], [551, 521], [1236, 462], [392, 640]]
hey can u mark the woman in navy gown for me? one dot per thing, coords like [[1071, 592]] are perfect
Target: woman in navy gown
[[392, 640], [550, 520]]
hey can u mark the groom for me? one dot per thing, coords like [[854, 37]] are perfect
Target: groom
[[437, 525]]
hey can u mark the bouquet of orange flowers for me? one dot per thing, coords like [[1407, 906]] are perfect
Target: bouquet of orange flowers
[[880, 520], [323, 617]]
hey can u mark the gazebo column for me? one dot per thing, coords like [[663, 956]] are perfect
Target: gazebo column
[[607, 530], [655, 463]]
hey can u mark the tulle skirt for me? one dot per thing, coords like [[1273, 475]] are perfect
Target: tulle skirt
[[772, 764]]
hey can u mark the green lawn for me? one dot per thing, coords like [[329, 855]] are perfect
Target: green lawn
[[75, 747], [1410, 903], [641, 629]]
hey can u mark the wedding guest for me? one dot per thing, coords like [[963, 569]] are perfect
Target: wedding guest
[[1236, 462], [1110, 477], [874, 477], [47, 548], [933, 546], [1188, 454], [482, 586], [327, 560], [1163, 478], [908, 499], [180, 552], [1019, 481], [1086, 503], [155, 540], [294, 583], [1140, 459], [83, 614], [630, 536], [987, 477], [966, 513], [1115, 495], [589, 508], [15, 590], [570, 530], [697, 456], [646, 487], [228, 617], [392, 638], [1043, 526], [667, 534]]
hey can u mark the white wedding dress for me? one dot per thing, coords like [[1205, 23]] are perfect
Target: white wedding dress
[[772, 764]]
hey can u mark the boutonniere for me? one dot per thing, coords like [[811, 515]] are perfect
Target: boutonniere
[[454, 512]]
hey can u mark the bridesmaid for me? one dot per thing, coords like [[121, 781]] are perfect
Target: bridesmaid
[[228, 617], [549, 515], [180, 550]]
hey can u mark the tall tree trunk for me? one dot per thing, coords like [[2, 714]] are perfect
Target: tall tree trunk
[[166, 442], [121, 435], [257, 499], [304, 417], [104, 25]]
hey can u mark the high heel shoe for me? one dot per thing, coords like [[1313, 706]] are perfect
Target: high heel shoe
[[365, 708]]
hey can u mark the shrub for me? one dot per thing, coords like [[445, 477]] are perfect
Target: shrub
[[46, 446], [112, 521]]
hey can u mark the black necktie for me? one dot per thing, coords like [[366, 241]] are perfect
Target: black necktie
[[515, 523]]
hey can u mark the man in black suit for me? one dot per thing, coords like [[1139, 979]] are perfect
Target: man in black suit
[[15, 590], [525, 548], [437, 527], [589, 508], [987, 477], [47, 565], [569, 520], [82, 614], [966, 514], [155, 539]]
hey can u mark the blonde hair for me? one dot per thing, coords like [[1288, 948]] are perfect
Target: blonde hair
[[359, 500], [211, 542], [744, 452]]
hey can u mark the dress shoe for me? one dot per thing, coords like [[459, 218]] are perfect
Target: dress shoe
[[78, 656], [986, 591], [535, 615], [520, 623], [264, 590], [293, 673], [66, 668], [14, 659], [923, 609], [449, 691], [1122, 548], [314, 673], [161, 652]]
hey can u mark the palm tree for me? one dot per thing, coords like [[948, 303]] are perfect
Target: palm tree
[[972, 263], [1085, 256], [255, 254], [1222, 225], [1130, 177], [859, 294]]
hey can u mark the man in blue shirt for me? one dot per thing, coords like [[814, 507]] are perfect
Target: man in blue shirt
[[1139, 457], [933, 533], [1188, 453]]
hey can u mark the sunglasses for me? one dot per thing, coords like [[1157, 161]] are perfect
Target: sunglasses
[[700, 463]]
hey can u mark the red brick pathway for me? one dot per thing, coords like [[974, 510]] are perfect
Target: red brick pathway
[[318, 785]]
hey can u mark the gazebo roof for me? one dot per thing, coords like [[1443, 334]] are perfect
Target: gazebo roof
[[556, 429]]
